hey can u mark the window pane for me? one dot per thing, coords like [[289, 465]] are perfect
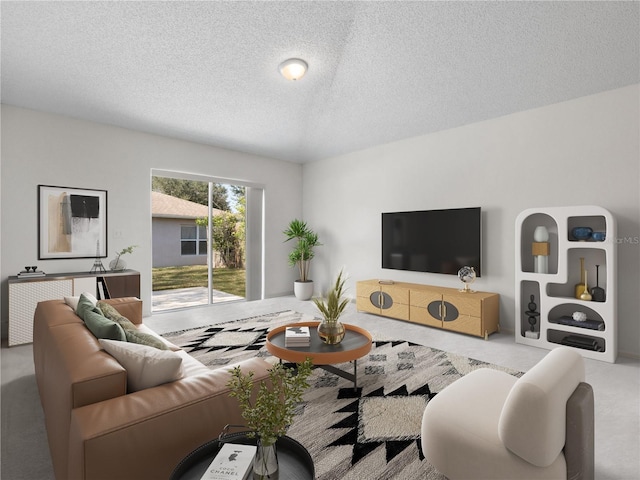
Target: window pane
[[203, 247], [188, 248], [202, 232], [188, 232]]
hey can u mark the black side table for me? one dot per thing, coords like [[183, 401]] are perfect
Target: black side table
[[294, 460]]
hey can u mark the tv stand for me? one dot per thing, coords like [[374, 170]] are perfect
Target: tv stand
[[473, 313]]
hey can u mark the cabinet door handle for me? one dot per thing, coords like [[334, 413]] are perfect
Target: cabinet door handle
[[381, 300], [444, 311], [440, 311]]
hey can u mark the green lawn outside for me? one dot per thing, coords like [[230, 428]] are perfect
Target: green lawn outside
[[227, 280]]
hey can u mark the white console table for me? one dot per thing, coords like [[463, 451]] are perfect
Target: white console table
[[25, 293]]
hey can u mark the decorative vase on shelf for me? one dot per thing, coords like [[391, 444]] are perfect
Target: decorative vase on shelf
[[541, 250], [579, 288], [265, 463], [331, 333], [582, 234], [117, 264], [598, 292], [585, 295]]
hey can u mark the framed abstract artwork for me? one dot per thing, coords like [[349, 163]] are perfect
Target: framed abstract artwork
[[72, 222]]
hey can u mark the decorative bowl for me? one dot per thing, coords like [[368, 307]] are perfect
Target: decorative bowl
[[582, 233]]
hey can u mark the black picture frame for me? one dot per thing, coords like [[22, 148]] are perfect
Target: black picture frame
[[72, 223]]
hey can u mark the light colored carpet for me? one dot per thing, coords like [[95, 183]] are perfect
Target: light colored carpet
[[369, 432]]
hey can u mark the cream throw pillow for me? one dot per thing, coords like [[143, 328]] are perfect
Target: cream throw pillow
[[146, 366]]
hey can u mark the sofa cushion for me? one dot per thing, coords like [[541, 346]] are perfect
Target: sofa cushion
[[102, 327], [131, 332], [111, 313], [86, 302], [146, 366]]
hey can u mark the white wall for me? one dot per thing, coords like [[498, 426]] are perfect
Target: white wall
[[40, 148], [581, 152]]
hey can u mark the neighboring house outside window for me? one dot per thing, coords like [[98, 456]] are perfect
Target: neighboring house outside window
[[177, 240], [193, 240]]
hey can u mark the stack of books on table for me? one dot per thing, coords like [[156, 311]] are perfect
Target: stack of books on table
[[233, 461], [297, 337]]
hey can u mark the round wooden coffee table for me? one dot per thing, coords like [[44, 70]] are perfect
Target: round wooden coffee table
[[355, 344]]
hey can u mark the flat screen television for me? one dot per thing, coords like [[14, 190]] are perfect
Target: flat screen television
[[435, 241]]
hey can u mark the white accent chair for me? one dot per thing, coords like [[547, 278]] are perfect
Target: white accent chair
[[492, 425]]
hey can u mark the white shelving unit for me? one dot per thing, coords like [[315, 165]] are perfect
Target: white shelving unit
[[554, 292]]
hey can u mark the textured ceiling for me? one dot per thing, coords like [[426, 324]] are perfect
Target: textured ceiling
[[378, 71]]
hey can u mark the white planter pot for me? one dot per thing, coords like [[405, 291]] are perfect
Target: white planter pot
[[303, 290]]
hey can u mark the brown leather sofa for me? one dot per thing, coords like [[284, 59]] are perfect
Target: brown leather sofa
[[96, 430]]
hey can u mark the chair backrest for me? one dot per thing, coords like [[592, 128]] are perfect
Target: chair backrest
[[533, 420]]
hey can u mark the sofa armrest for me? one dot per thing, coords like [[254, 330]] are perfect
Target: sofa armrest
[[579, 447], [144, 435], [129, 307]]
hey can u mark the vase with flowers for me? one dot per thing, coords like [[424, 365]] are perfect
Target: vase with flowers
[[269, 413], [117, 264], [331, 330]]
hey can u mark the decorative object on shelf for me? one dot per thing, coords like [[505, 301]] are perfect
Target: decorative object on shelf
[[532, 315], [331, 330], [29, 272], [585, 295], [579, 316], [301, 256], [467, 276], [118, 264], [598, 292], [270, 412], [599, 236], [97, 263], [579, 288], [70, 221], [586, 343], [586, 323], [582, 233], [540, 250]]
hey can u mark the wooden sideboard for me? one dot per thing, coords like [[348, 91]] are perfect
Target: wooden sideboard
[[25, 293], [473, 313]]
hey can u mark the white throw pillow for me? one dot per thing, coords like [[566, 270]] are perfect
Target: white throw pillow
[[72, 302], [146, 366]]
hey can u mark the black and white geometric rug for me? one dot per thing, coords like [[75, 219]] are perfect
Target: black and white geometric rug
[[370, 433]]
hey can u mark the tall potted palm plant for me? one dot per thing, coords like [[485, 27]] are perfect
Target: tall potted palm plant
[[301, 256]]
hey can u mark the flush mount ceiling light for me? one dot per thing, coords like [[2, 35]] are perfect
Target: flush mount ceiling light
[[293, 69]]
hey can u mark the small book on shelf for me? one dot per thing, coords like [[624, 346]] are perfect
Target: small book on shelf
[[233, 461], [297, 337]]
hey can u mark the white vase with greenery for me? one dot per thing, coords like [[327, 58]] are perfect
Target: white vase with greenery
[[301, 256], [117, 265]]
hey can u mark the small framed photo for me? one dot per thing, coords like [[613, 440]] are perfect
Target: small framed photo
[[72, 222]]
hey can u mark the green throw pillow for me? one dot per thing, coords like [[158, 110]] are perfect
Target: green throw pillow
[[142, 338], [130, 330], [85, 304], [111, 313], [102, 327]]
